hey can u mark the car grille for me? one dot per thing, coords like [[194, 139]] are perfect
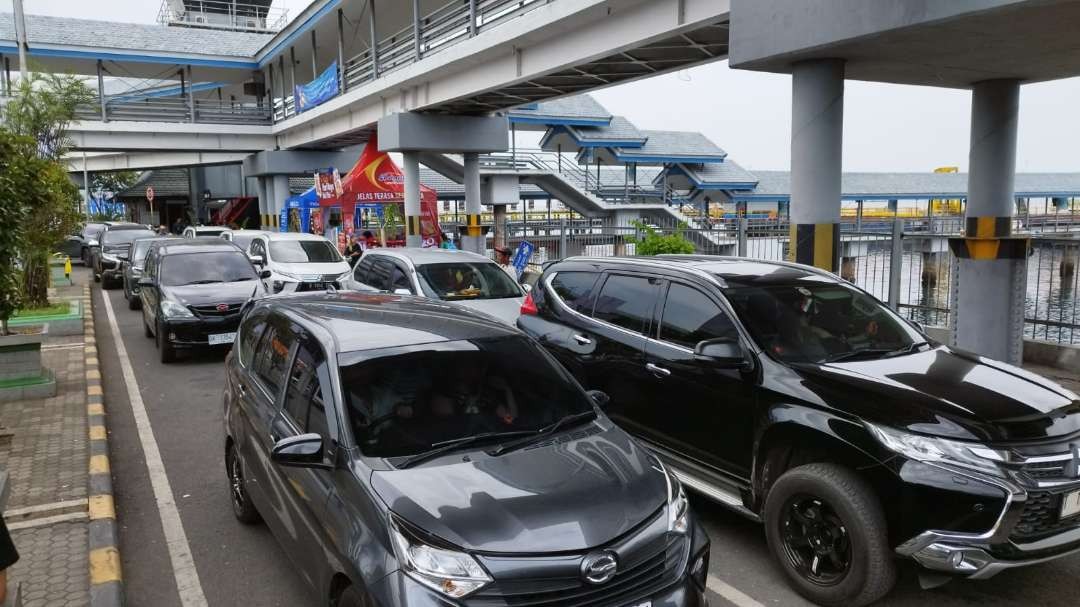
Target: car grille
[[658, 566], [1040, 517], [211, 311], [302, 287]]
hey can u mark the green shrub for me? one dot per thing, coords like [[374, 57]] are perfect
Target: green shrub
[[655, 243]]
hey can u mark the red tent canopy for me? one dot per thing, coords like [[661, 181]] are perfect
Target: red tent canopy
[[376, 179]]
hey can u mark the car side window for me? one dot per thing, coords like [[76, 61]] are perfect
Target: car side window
[[304, 402], [399, 279], [379, 277], [363, 269], [627, 301], [250, 333], [575, 289], [257, 248], [272, 359], [691, 317]]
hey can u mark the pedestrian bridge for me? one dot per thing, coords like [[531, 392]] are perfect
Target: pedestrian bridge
[[193, 89]]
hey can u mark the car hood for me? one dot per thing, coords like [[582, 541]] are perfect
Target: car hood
[[950, 393], [219, 292], [567, 496], [506, 309], [312, 271]]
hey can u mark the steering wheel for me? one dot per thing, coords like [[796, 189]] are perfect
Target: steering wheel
[[382, 421]]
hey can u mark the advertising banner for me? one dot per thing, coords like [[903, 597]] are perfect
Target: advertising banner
[[319, 90], [328, 184]]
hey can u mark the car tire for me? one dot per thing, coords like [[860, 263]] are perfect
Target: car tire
[[133, 300], [826, 529], [242, 508], [166, 350], [146, 327], [354, 597]]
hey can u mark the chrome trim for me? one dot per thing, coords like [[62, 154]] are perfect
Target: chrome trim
[[713, 492], [975, 563]]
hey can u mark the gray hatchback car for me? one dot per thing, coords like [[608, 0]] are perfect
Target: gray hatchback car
[[407, 452]]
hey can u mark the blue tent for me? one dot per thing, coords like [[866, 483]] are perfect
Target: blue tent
[[305, 202]]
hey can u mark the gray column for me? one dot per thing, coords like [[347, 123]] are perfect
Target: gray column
[[101, 91], [191, 92], [292, 69], [20, 37], [374, 41], [412, 199], [990, 264], [416, 29], [341, 49], [817, 130], [474, 239], [498, 212], [280, 185], [314, 57], [472, 17], [270, 87], [262, 192]]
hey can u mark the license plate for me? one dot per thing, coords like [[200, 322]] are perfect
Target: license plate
[[221, 338], [1070, 505]]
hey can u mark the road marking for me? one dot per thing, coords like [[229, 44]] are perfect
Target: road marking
[[97, 433], [47, 520], [62, 346], [104, 565], [187, 577], [731, 593], [95, 409], [99, 464], [25, 511]]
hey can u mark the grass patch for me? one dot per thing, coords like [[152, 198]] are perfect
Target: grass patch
[[57, 309], [24, 381]]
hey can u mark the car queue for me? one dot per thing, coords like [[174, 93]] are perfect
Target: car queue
[[419, 429]]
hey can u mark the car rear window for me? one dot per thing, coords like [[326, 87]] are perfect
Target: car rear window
[[114, 237], [574, 289]]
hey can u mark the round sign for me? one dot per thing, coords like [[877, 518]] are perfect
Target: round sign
[[150, 193]]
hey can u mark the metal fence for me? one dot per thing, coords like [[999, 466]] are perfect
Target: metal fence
[[912, 271]]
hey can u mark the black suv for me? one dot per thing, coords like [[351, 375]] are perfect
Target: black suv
[[800, 400], [193, 293], [406, 452]]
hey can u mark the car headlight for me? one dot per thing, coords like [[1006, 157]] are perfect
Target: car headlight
[[972, 456], [448, 572], [345, 276], [678, 506], [172, 309], [91, 243], [288, 276]]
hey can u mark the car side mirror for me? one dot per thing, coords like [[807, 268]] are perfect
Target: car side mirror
[[918, 326], [305, 450], [146, 282], [265, 274], [722, 353], [599, 397], [257, 260], [400, 291]]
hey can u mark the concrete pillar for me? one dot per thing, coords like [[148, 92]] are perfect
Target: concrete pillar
[[280, 186], [412, 199], [474, 239], [499, 211], [817, 129], [991, 272], [262, 191]]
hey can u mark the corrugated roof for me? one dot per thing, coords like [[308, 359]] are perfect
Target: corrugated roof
[[111, 35], [168, 183], [724, 172], [674, 145], [618, 130], [917, 185], [582, 107]]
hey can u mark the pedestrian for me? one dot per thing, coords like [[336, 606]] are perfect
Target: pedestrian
[[369, 241], [447, 243], [8, 557], [162, 230], [354, 250], [502, 257], [177, 226]]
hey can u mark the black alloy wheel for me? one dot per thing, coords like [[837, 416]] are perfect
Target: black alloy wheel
[[243, 509], [816, 541], [165, 349]]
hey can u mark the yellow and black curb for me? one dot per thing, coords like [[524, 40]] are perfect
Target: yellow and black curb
[[106, 584]]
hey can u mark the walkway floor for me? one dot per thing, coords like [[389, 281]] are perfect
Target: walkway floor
[[46, 458]]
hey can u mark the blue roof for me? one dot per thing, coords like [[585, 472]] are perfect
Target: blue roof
[[672, 146], [579, 110]]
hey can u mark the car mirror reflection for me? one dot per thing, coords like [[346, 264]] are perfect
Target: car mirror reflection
[[305, 450]]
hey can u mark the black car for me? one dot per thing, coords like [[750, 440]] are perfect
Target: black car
[[408, 452], [800, 400], [193, 293], [131, 269], [114, 250]]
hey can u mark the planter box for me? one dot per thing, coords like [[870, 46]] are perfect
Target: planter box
[[21, 375], [56, 324]]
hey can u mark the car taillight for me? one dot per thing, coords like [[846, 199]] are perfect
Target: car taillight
[[528, 307]]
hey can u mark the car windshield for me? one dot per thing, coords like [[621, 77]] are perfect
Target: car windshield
[[122, 237], [303, 251], [205, 268], [140, 249], [466, 281], [817, 322], [404, 401]]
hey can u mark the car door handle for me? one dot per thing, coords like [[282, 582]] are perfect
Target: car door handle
[[657, 371], [581, 339]]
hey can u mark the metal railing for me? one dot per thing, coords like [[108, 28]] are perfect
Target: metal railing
[[223, 14], [176, 109]]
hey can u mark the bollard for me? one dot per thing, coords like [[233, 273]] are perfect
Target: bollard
[[67, 267]]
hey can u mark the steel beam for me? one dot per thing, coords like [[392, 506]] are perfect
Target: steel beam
[[100, 90], [374, 41]]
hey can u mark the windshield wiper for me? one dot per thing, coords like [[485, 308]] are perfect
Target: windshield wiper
[[205, 281], [545, 431], [880, 352], [439, 448], [908, 349]]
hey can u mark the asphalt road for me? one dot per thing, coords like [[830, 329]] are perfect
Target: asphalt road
[[244, 565]]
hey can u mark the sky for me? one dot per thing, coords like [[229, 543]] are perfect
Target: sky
[[886, 127]]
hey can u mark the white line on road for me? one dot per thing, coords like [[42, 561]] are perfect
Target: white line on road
[[731, 593], [187, 577], [48, 520]]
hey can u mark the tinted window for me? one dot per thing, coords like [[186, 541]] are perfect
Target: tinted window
[[115, 237], [271, 361], [258, 248], [92, 230], [206, 268], [379, 276], [626, 301], [399, 280], [691, 317], [363, 269], [574, 288], [401, 400], [139, 251], [303, 396], [466, 281], [303, 251], [249, 336], [242, 240]]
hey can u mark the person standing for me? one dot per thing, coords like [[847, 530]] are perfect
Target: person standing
[[502, 257], [354, 251]]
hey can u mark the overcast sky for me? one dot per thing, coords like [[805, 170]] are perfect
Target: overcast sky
[[886, 127]]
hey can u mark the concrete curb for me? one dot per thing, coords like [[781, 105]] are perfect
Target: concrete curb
[[106, 583]]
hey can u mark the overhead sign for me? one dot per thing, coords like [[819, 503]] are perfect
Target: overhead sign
[[328, 184], [318, 91]]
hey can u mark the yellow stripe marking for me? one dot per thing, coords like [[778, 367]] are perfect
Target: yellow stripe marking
[[92, 361], [93, 374], [99, 464], [104, 565], [95, 409], [984, 227], [101, 506], [97, 433], [983, 249], [823, 246], [93, 390]]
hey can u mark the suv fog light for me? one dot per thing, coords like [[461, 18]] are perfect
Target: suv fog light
[[172, 336], [278, 286]]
